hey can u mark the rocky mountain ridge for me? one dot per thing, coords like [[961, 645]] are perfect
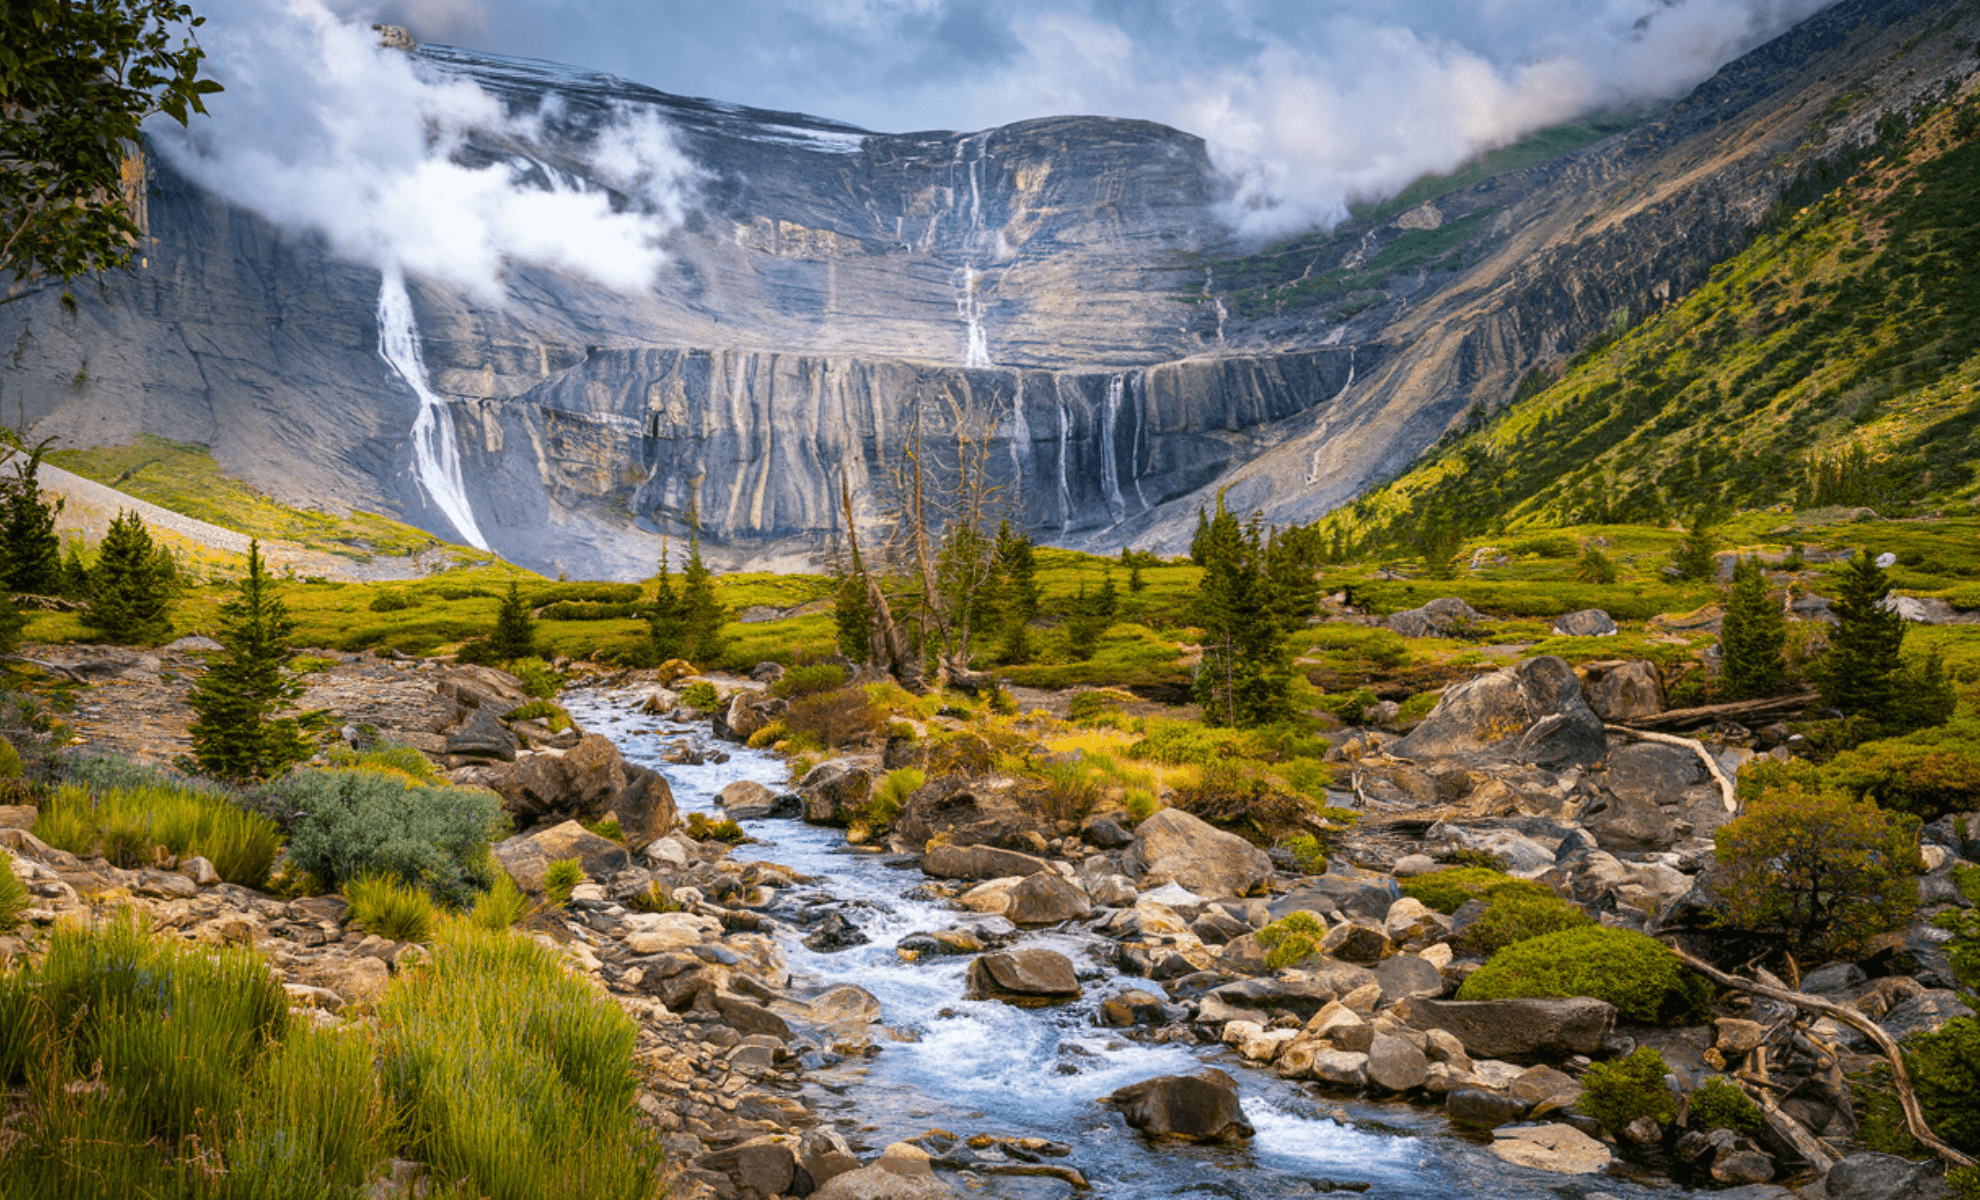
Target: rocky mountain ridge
[[1054, 283]]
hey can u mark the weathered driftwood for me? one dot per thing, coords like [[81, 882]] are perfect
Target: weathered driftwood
[[1914, 1114], [67, 673], [1727, 791], [1692, 718]]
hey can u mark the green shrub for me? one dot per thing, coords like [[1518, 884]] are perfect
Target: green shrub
[[1186, 743], [1448, 890], [1594, 567], [560, 879], [809, 681], [10, 760], [1515, 913], [1945, 1070], [1617, 1093], [700, 696], [545, 711], [1291, 939], [1637, 974], [389, 908], [387, 756], [13, 897], [701, 829], [1964, 924], [1141, 804], [1719, 1103], [501, 906], [655, 899], [1927, 773], [1964, 1183], [539, 680], [836, 718], [1087, 705], [1308, 851], [127, 824], [609, 829], [392, 600], [1816, 868], [883, 807], [347, 824]]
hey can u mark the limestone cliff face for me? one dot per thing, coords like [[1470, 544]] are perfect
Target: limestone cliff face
[[832, 289]]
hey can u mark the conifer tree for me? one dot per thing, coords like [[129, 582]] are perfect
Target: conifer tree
[[515, 628], [75, 574], [852, 612], [1752, 637], [1018, 568], [1135, 582], [1107, 601], [667, 624], [1693, 556], [130, 595], [1245, 676], [701, 613], [1199, 541], [1863, 670], [1084, 625], [1293, 590], [33, 554], [238, 734]]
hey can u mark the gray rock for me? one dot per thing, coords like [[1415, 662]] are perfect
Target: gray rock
[[1924, 1014], [1834, 977], [748, 1017], [833, 791], [1562, 1149], [1175, 847], [1743, 1167], [1048, 898], [1871, 1176], [1395, 1065], [757, 1167], [746, 714], [1031, 974], [902, 1172], [747, 800], [483, 736], [1198, 1108], [979, 862], [1482, 1108], [527, 856], [1354, 942], [1532, 712], [1517, 1029], [1589, 622], [1625, 692], [1105, 832], [1406, 976]]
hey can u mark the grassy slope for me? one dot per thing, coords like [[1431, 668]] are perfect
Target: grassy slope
[[1853, 322]]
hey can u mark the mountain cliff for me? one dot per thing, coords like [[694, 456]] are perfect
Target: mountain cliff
[[1060, 286]]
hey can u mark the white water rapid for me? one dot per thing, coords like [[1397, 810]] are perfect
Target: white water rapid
[[975, 1066], [436, 458]]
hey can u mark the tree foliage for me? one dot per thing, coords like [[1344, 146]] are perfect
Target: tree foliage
[[133, 585], [1018, 567], [666, 622], [1752, 637], [1245, 676], [1821, 870], [32, 553], [1864, 675], [77, 80], [1692, 557], [237, 733], [515, 627], [701, 613]]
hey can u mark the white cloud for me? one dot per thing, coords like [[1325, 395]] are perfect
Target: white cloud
[[321, 130]]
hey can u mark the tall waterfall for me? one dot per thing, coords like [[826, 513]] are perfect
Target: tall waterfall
[[977, 353], [1020, 434], [436, 461], [1110, 468]]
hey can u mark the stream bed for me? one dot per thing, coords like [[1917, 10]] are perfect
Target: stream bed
[[982, 1066]]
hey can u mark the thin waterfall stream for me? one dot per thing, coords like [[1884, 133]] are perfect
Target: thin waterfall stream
[[983, 1066]]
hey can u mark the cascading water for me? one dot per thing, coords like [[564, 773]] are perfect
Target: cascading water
[[983, 1066], [1313, 472], [1065, 438], [976, 349], [1138, 444], [1110, 472], [1020, 434], [976, 346], [436, 459]]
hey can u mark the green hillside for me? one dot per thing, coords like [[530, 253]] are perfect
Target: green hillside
[[1834, 362]]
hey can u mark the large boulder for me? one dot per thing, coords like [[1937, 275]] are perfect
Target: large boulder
[[1048, 898], [748, 800], [944, 861], [902, 1172], [584, 783], [1174, 847], [1562, 1149], [833, 792], [1650, 796], [1517, 1029], [482, 737], [963, 814], [1439, 618], [1624, 691], [1589, 622], [644, 807], [1531, 712], [1023, 976], [1871, 1176], [746, 713], [760, 1166], [527, 857], [1197, 1108]]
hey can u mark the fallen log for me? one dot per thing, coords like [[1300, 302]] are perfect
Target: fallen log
[[1727, 792], [1914, 1114], [1693, 718]]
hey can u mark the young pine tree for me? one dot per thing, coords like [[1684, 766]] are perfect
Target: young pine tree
[[75, 574], [33, 554], [1752, 637], [515, 628], [852, 612], [130, 593], [1245, 677], [1863, 671], [238, 734], [1085, 624], [667, 623], [1693, 556], [701, 613], [1107, 601], [1019, 569]]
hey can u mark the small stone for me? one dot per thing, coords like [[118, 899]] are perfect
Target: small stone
[[1396, 1065], [199, 870], [1737, 1037], [1643, 1131], [1482, 1108], [1743, 1167]]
